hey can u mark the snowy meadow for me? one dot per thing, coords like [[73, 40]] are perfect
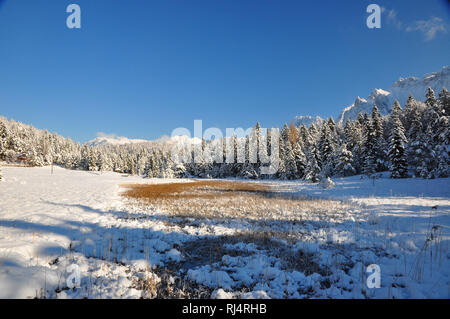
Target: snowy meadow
[[131, 237]]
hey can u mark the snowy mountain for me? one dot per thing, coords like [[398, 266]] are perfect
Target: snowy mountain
[[400, 90], [110, 139], [307, 120]]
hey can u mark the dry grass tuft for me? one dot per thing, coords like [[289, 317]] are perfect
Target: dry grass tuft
[[227, 199], [205, 189]]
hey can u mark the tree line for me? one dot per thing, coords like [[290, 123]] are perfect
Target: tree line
[[412, 141]]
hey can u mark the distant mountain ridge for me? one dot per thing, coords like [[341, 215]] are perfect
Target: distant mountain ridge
[[307, 120], [109, 139], [384, 99], [400, 90]]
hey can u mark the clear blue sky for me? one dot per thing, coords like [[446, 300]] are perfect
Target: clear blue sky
[[140, 68]]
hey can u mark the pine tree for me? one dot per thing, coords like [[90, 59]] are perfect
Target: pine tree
[[416, 150], [248, 169], [344, 166], [289, 166], [281, 173], [410, 110], [312, 168], [269, 142], [379, 143], [93, 160], [441, 134], [257, 135], [300, 159], [398, 167], [326, 149], [3, 140], [353, 138], [368, 148], [430, 100], [444, 101]]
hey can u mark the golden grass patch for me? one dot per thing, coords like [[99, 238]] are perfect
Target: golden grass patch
[[227, 199]]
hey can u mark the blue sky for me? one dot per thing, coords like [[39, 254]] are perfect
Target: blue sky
[[140, 68]]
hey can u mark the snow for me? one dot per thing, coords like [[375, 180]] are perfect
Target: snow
[[308, 120], [111, 139], [51, 221], [400, 90]]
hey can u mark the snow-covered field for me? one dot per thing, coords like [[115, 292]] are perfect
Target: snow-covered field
[[49, 222]]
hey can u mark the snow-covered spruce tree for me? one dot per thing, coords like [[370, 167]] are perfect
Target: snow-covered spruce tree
[[167, 164], [152, 168], [344, 166], [258, 136], [290, 163], [437, 136], [289, 170], [314, 132], [313, 167], [412, 108], [429, 160], [248, 169], [251, 167], [3, 140], [442, 139], [326, 150], [281, 173], [380, 143], [430, 99], [369, 148], [444, 101], [206, 163], [269, 141], [398, 165], [300, 159], [235, 165], [416, 148], [93, 160], [353, 139], [408, 111], [432, 110]]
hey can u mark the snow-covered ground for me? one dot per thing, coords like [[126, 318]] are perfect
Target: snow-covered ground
[[49, 222]]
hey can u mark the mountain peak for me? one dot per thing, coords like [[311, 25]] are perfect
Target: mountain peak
[[112, 139], [400, 90]]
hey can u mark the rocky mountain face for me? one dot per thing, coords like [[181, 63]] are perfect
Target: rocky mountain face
[[400, 90]]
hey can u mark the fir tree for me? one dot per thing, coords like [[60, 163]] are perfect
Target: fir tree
[[3, 140], [248, 169], [344, 166], [444, 101], [300, 160], [368, 148], [326, 149], [312, 168], [417, 149], [92, 161], [379, 143], [398, 167]]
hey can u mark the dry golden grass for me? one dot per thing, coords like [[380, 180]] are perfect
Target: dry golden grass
[[194, 189], [227, 199]]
